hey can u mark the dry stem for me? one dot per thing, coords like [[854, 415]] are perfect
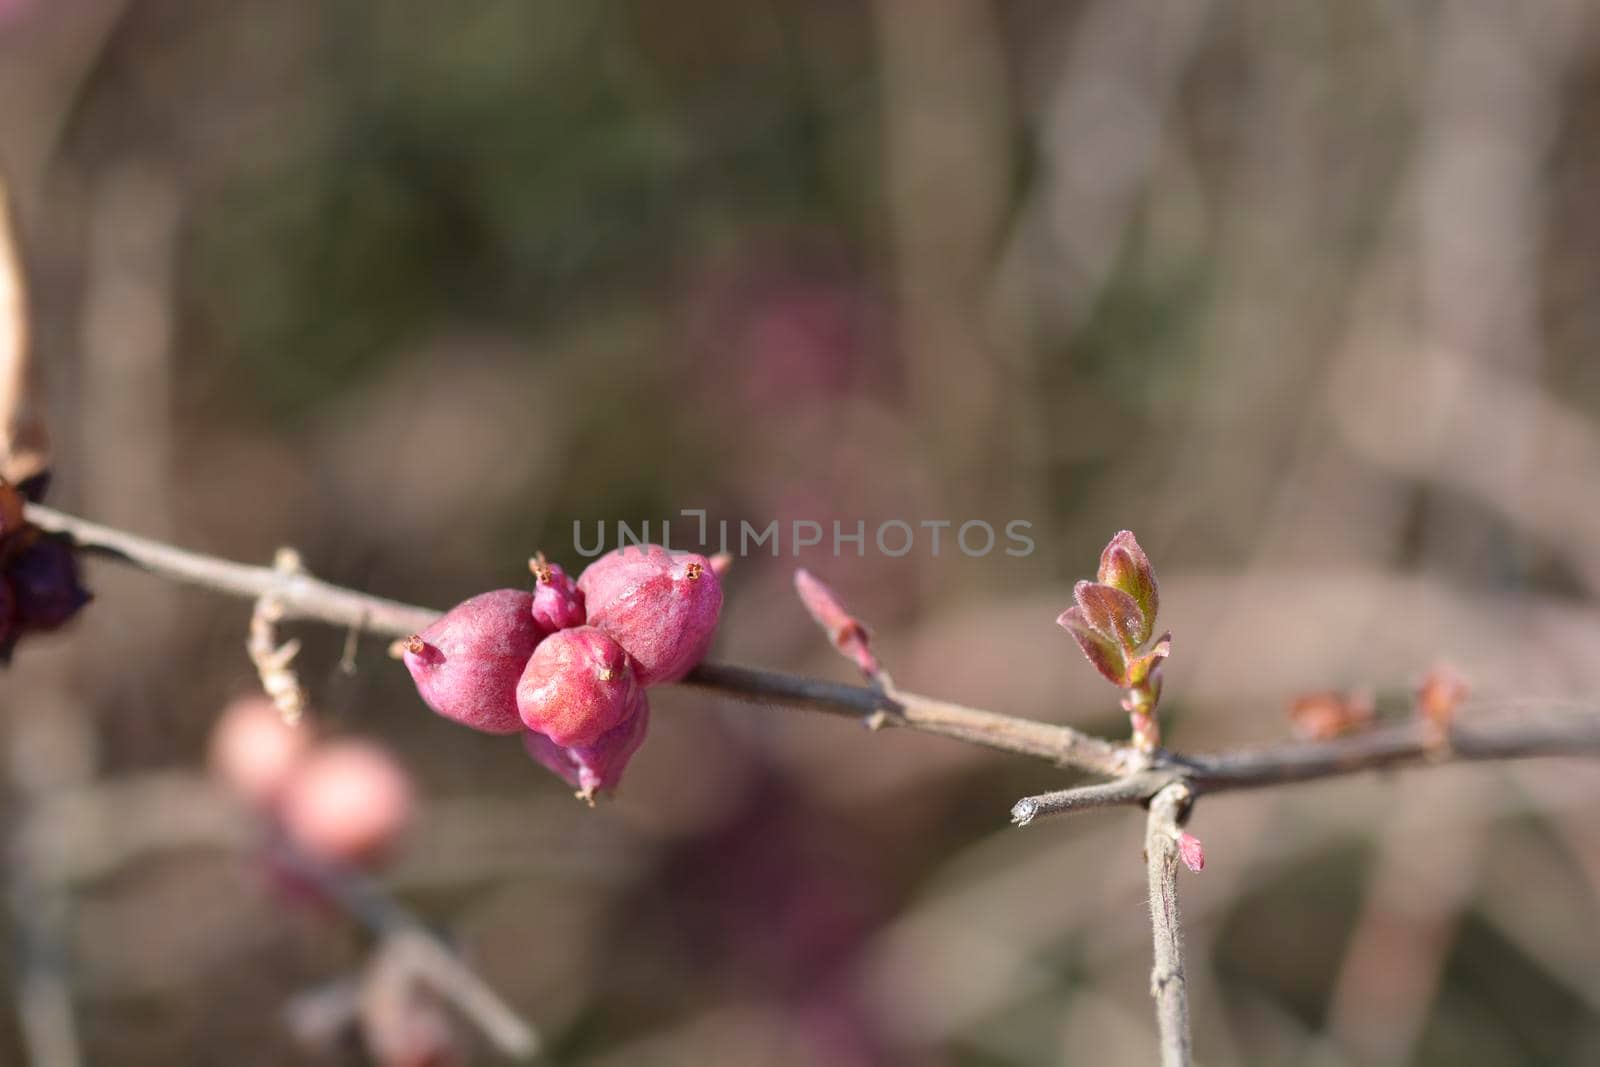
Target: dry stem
[[1167, 983]]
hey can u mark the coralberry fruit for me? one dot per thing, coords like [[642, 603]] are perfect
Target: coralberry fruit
[[347, 801], [466, 665], [660, 606], [578, 685], [254, 751], [597, 766]]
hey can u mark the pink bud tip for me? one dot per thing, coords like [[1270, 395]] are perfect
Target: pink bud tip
[[1191, 852], [1441, 692], [846, 632]]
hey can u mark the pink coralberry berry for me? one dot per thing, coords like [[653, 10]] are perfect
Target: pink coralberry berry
[[599, 765], [466, 665], [579, 684], [347, 801], [660, 606], [557, 600], [253, 751]]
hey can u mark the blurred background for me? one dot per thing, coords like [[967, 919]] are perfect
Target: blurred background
[[1302, 293]]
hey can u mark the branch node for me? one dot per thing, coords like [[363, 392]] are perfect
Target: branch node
[[274, 661]]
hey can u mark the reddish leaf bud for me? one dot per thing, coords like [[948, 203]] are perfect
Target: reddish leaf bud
[[467, 664], [1112, 613], [1324, 716], [1124, 566], [1146, 669], [1102, 652], [1441, 691]]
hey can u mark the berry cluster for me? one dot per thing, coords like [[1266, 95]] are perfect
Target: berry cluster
[[39, 586], [567, 665]]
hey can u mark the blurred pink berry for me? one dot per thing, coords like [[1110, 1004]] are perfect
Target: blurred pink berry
[[253, 751], [661, 607], [557, 600], [347, 801], [578, 685], [598, 766], [466, 665]]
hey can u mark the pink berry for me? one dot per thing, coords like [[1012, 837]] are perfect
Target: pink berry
[[578, 685], [659, 606], [598, 766], [557, 600], [253, 751], [348, 801], [467, 664]]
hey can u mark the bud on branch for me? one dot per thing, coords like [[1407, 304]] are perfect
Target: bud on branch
[[1112, 619]]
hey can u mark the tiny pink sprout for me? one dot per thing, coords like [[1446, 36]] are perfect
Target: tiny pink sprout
[[721, 563], [846, 632], [1191, 851]]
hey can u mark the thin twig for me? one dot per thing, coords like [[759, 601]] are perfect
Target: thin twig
[[386, 918], [1493, 736], [1167, 983], [1504, 736], [1061, 745], [305, 597], [1134, 789]]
